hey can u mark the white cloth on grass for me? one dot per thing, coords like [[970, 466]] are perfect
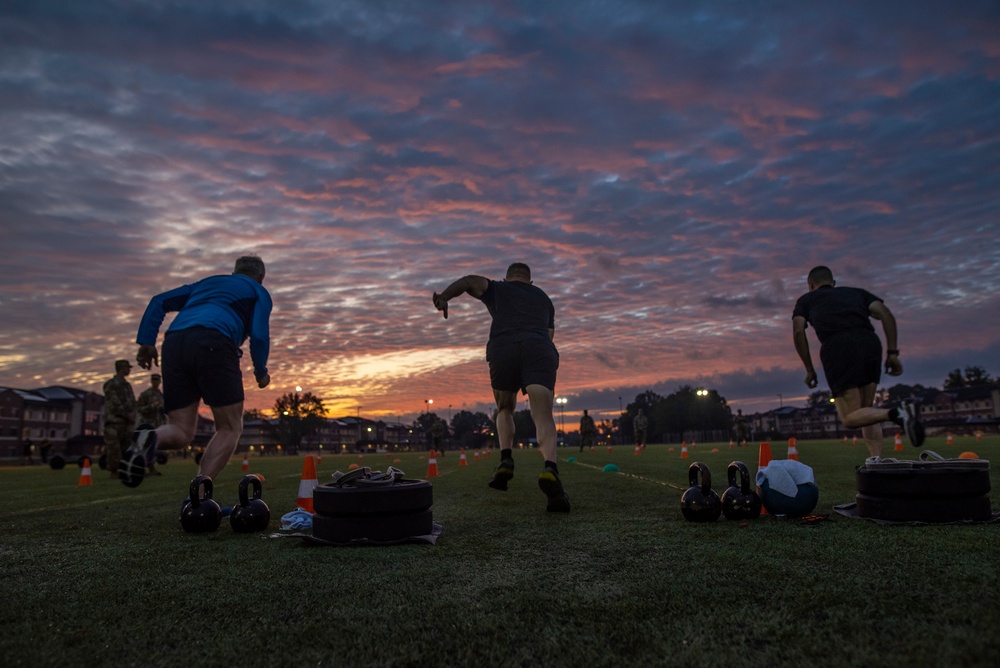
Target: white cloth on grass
[[785, 475]]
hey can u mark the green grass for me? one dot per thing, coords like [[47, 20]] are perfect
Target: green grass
[[104, 575]]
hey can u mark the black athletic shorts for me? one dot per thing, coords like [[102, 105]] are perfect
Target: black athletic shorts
[[518, 361], [200, 363], [851, 359]]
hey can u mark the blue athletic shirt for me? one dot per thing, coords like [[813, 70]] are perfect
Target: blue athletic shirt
[[236, 305]]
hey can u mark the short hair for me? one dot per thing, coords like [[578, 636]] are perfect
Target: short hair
[[519, 269], [819, 275], [250, 265]]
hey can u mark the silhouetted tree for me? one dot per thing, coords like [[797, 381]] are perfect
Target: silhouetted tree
[[472, 429], [818, 399], [973, 376], [298, 415]]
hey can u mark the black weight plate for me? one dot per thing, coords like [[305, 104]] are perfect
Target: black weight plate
[[56, 462], [939, 482], [897, 509], [382, 529], [403, 496], [162, 458]]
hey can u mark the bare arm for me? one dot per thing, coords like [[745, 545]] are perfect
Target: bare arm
[[474, 285], [881, 312], [802, 348]]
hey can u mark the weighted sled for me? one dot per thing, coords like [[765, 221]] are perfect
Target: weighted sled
[[898, 509], [358, 500], [377, 528]]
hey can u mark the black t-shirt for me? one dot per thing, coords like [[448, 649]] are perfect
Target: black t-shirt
[[518, 308], [831, 310]]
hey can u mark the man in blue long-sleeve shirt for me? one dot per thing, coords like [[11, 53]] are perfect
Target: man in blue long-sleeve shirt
[[201, 357]]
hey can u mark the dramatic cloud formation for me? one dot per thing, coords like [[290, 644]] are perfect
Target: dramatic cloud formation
[[670, 171]]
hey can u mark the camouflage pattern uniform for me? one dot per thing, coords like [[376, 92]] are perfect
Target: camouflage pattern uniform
[[437, 436], [150, 406], [119, 419], [639, 424]]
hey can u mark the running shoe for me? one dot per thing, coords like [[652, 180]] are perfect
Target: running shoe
[[550, 484], [502, 475], [909, 413], [144, 442]]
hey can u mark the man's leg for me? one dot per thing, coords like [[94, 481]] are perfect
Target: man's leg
[[112, 451], [228, 427], [541, 399], [855, 409], [506, 401]]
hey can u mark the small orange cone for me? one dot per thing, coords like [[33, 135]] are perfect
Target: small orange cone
[[731, 444], [950, 439], [432, 464], [609, 448], [307, 485], [475, 455], [899, 442], [636, 449], [763, 459], [855, 440], [462, 461], [246, 464], [793, 452], [684, 450], [86, 477]]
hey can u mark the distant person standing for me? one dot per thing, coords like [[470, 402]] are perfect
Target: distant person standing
[[588, 431], [119, 415], [437, 436], [639, 425], [201, 357], [150, 407], [26, 449], [851, 354], [521, 356], [742, 432]]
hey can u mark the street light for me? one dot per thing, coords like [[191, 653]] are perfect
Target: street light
[[562, 415], [427, 405], [781, 401]]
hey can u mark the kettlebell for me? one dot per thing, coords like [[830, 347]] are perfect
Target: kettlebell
[[250, 515], [700, 503], [201, 515], [739, 501]]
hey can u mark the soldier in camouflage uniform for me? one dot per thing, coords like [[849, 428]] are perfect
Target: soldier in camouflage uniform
[[588, 431], [119, 415], [639, 424], [150, 405]]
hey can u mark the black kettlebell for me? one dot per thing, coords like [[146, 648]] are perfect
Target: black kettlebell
[[700, 503], [250, 515], [201, 515], [740, 502]]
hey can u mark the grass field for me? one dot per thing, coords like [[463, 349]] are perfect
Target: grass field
[[104, 575]]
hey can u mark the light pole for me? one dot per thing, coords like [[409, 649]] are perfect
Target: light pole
[[427, 405], [562, 415], [781, 401], [702, 392]]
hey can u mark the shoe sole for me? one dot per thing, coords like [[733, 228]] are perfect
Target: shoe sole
[[915, 431], [500, 479], [552, 488]]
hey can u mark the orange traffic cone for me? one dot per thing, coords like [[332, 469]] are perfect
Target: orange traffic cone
[[307, 485], [609, 448], [950, 439], [462, 461], [763, 459], [636, 449], [246, 464], [432, 464], [793, 452], [86, 478], [475, 455], [855, 441], [684, 450], [731, 444], [899, 442]]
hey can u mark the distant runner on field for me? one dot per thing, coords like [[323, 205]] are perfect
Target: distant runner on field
[[851, 354]]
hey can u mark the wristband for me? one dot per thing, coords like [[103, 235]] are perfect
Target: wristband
[[892, 352]]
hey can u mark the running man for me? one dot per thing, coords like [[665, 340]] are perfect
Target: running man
[[201, 357], [851, 354], [521, 356]]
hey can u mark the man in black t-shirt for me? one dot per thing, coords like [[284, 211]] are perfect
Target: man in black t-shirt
[[851, 354], [521, 356]]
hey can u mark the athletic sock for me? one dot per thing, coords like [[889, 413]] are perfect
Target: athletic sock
[[507, 454], [551, 466]]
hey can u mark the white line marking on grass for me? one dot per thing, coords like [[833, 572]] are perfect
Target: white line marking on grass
[[632, 475], [66, 506]]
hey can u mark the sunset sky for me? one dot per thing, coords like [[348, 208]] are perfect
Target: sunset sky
[[670, 171]]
